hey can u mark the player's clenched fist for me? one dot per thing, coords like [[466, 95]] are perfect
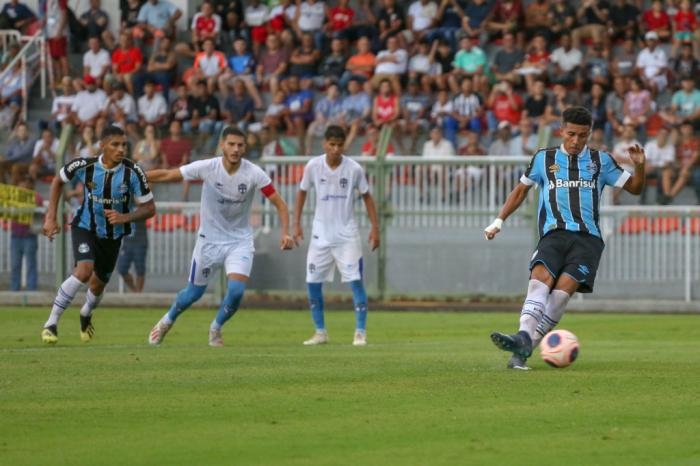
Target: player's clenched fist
[[492, 230], [50, 229], [286, 243]]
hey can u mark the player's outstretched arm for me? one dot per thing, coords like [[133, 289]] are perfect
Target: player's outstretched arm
[[142, 212], [286, 241], [164, 175], [515, 198], [50, 227], [298, 210], [373, 219], [635, 184]]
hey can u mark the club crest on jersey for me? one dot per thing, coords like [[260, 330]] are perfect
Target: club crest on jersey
[[206, 271], [343, 183], [554, 168], [312, 268], [123, 188], [592, 167], [242, 188], [91, 185]]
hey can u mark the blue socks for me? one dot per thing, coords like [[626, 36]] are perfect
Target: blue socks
[[184, 299], [230, 303], [359, 297], [316, 304]]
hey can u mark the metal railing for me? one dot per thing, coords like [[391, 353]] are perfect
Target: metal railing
[[34, 63]]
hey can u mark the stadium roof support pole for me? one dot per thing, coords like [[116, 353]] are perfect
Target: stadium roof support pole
[[60, 240], [382, 209]]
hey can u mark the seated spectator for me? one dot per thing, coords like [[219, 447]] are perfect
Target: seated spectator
[[447, 23], [274, 115], [423, 68], [502, 144], [19, 15], [536, 103], [96, 23], [525, 142], [652, 64], [129, 10], [231, 14], [205, 114], [357, 107], [299, 110], [205, 25], [660, 157], [209, 66], [504, 105], [44, 157], [88, 104], [309, 17], [363, 24], [175, 149], [18, 155], [239, 107], [624, 20], [536, 61], [328, 111], [241, 67], [126, 61], [89, 145], [157, 19], [468, 108], [96, 61], [684, 26], [385, 108], [333, 64], [339, 20], [391, 64], [685, 65], [422, 14], [161, 68], [537, 19], [685, 105], [272, 64], [615, 106], [256, 16], [147, 151], [61, 105], [686, 166], [593, 16], [560, 101], [359, 66], [596, 66], [371, 145], [464, 177], [624, 61], [475, 19], [120, 110], [305, 59], [507, 60], [11, 92], [565, 63], [181, 108], [392, 22], [598, 141], [638, 106], [627, 139], [441, 115], [506, 18], [595, 102], [435, 147], [471, 62], [415, 107], [152, 108], [655, 19]]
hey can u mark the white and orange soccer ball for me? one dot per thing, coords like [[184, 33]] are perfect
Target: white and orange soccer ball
[[559, 348]]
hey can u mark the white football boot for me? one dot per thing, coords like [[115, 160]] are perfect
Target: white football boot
[[360, 338], [158, 332], [215, 338], [319, 338]]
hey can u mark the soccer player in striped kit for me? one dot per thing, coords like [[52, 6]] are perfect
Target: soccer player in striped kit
[[111, 184], [571, 179]]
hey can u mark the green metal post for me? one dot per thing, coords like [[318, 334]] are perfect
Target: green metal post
[[382, 209], [60, 238]]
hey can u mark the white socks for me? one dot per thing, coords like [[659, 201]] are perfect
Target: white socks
[[91, 302], [66, 293], [556, 305], [534, 306]]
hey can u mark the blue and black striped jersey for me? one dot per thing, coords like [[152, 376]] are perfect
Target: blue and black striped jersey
[[106, 189], [571, 187]]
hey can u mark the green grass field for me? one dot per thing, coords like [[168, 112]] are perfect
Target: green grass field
[[430, 389]]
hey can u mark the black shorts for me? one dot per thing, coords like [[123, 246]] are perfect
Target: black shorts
[[573, 253], [102, 252]]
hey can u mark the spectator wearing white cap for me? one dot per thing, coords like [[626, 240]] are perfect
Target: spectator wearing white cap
[[652, 63]]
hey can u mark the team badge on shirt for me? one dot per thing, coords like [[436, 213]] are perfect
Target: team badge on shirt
[[91, 184], [343, 183], [123, 188], [554, 168], [592, 167], [242, 188]]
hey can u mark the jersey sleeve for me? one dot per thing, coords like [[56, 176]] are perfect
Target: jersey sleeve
[[139, 185], [533, 175], [361, 182], [611, 173], [74, 170], [195, 170], [307, 179]]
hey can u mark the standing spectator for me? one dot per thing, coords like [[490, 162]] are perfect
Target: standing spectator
[[504, 105], [391, 64], [357, 107], [299, 110], [566, 62], [88, 103], [272, 64], [624, 20], [561, 19], [625, 60], [685, 105], [126, 61], [328, 111], [161, 68], [360, 66], [305, 59], [615, 107], [657, 20], [96, 23], [157, 19], [391, 22], [422, 14], [205, 25], [652, 63], [686, 166], [471, 62], [385, 108], [175, 149], [415, 107], [507, 60], [56, 21], [536, 104], [19, 15], [152, 108], [24, 245], [476, 17], [96, 61], [239, 106], [209, 65], [660, 157], [206, 114], [256, 16], [44, 157], [593, 16], [18, 155], [147, 150], [134, 251], [241, 66], [537, 18], [310, 16], [62, 104]]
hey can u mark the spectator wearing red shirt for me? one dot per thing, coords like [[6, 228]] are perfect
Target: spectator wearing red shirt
[[205, 25], [537, 60], [657, 20], [504, 105], [684, 25], [175, 149], [56, 21], [126, 61], [507, 17], [370, 146], [339, 20]]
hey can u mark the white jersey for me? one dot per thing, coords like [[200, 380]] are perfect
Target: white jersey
[[334, 217], [226, 199]]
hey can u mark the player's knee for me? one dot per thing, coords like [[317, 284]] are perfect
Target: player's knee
[[540, 273], [83, 271]]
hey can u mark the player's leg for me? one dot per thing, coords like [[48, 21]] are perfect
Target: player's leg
[[84, 253], [319, 268], [348, 258]]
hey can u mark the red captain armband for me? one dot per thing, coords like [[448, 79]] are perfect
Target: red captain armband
[[268, 190]]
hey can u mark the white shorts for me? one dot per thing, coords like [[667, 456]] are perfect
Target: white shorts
[[321, 261], [206, 257]]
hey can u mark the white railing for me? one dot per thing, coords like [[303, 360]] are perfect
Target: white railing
[[34, 63]]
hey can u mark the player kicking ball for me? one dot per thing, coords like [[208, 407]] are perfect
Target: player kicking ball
[[110, 183], [335, 237], [571, 179], [225, 236]]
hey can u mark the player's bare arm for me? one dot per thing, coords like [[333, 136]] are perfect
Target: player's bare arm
[[164, 175], [286, 241], [635, 184], [142, 212], [513, 202], [50, 227], [298, 210], [372, 214]]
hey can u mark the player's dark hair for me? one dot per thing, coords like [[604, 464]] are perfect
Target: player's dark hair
[[110, 131], [232, 130], [577, 116], [334, 132]]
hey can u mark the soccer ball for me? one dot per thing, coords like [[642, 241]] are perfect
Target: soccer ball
[[559, 348]]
